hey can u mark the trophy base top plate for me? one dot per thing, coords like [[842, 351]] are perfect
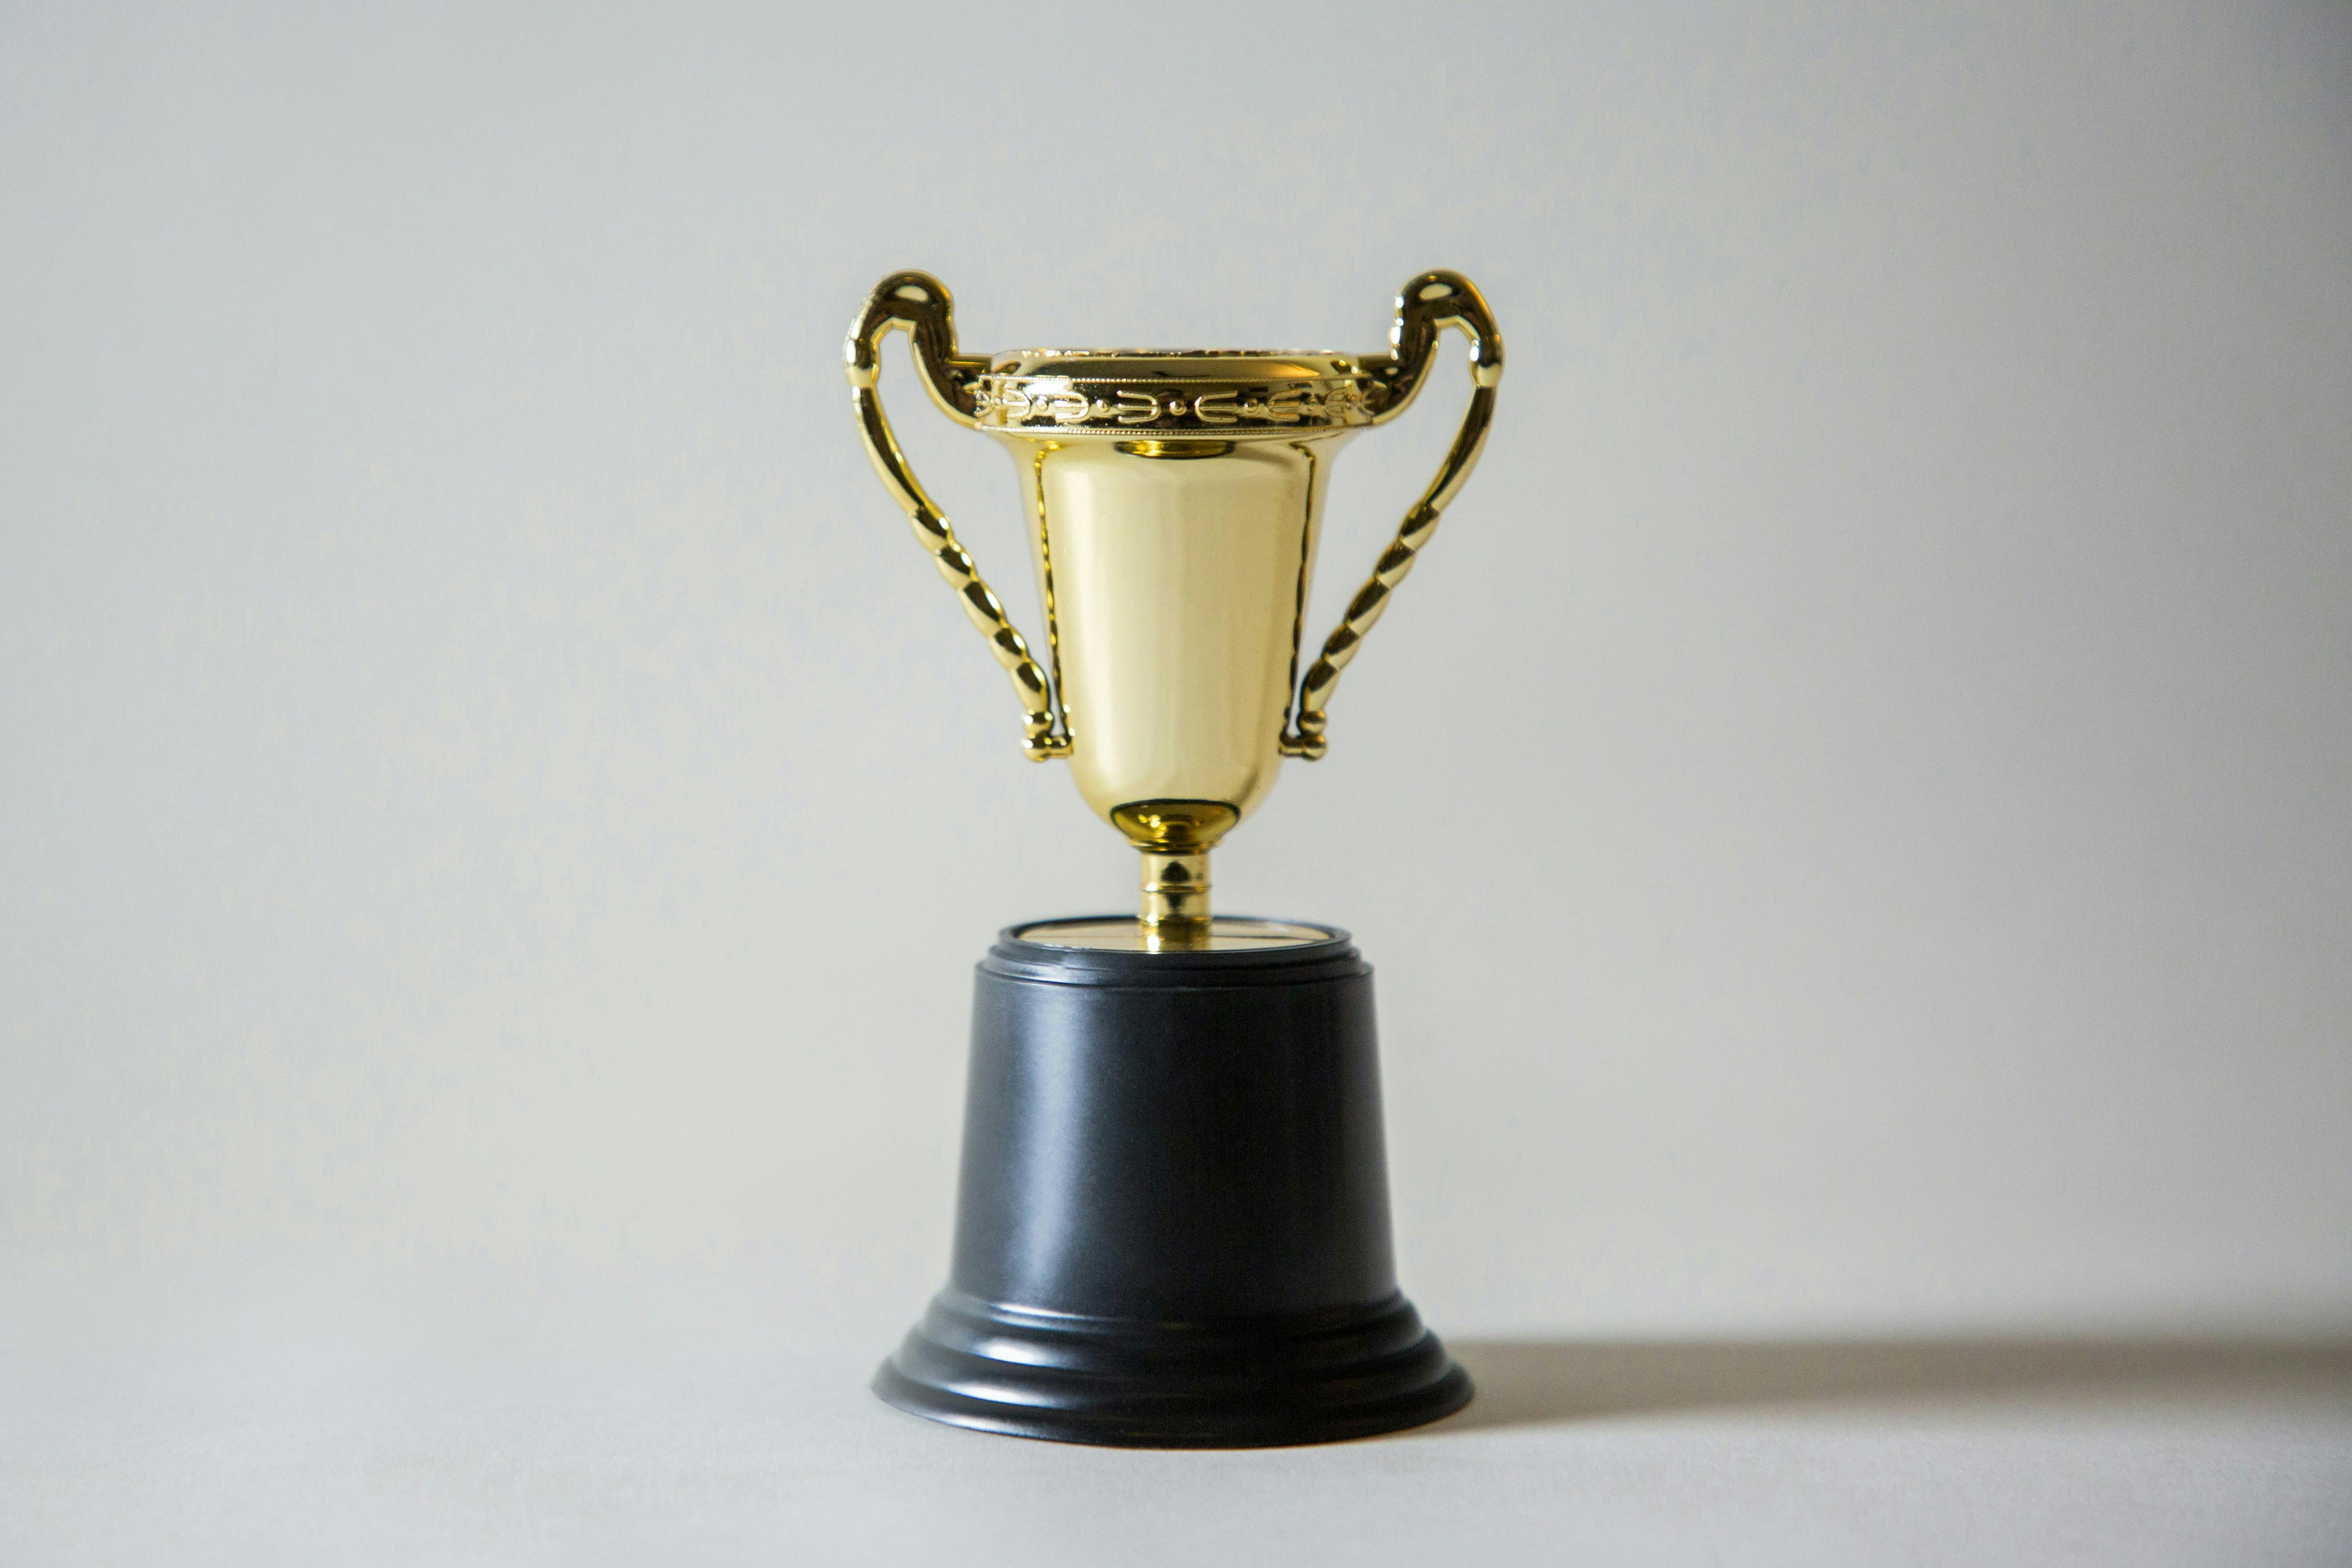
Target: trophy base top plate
[[1226, 933]]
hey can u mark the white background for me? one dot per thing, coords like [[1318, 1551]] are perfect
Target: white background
[[1852, 815]]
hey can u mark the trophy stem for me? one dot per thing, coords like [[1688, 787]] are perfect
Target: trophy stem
[[1175, 837], [1175, 896]]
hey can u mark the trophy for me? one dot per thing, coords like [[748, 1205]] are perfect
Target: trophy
[[1172, 1222]]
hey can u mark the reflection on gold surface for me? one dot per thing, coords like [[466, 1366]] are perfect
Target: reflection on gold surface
[[1175, 836], [1174, 499], [1175, 611], [1176, 449]]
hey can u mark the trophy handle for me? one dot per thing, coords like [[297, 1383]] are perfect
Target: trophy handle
[[1428, 304], [919, 303]]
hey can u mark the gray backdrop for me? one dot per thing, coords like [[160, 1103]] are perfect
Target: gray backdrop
[[1851, 816]]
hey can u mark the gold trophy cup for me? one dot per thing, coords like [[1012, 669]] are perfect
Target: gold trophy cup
[[1174, 499], [1173, 1222]]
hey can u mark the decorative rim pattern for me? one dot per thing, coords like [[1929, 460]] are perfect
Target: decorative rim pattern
[[1163, 392]]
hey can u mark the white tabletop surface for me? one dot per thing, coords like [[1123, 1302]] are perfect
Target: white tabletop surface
[[372, 1416]]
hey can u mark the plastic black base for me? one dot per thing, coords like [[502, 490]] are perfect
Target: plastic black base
[[1172, 1226]]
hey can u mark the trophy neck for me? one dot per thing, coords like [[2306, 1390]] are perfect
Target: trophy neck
[[1175, 896], [1175, 837]]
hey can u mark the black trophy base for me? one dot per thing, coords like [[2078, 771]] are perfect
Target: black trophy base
[[1173, 1227]]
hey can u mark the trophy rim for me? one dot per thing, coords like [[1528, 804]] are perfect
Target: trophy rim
[[1246, 363], [1155, 392]]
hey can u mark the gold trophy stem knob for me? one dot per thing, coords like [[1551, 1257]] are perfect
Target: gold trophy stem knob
[[1175, 836], [1175, 896]]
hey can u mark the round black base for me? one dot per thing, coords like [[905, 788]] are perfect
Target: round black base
[[1173, 1227]]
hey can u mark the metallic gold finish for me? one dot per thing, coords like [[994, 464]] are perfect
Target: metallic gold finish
[[1431, 302], [1212, 392], [1175, 836], [1178, 450], [1175, 889], [1178, 826], [1175, 610], [916, 302], [1174, 499]]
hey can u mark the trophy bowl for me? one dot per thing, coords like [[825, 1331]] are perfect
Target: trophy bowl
[[1172, 1216]]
